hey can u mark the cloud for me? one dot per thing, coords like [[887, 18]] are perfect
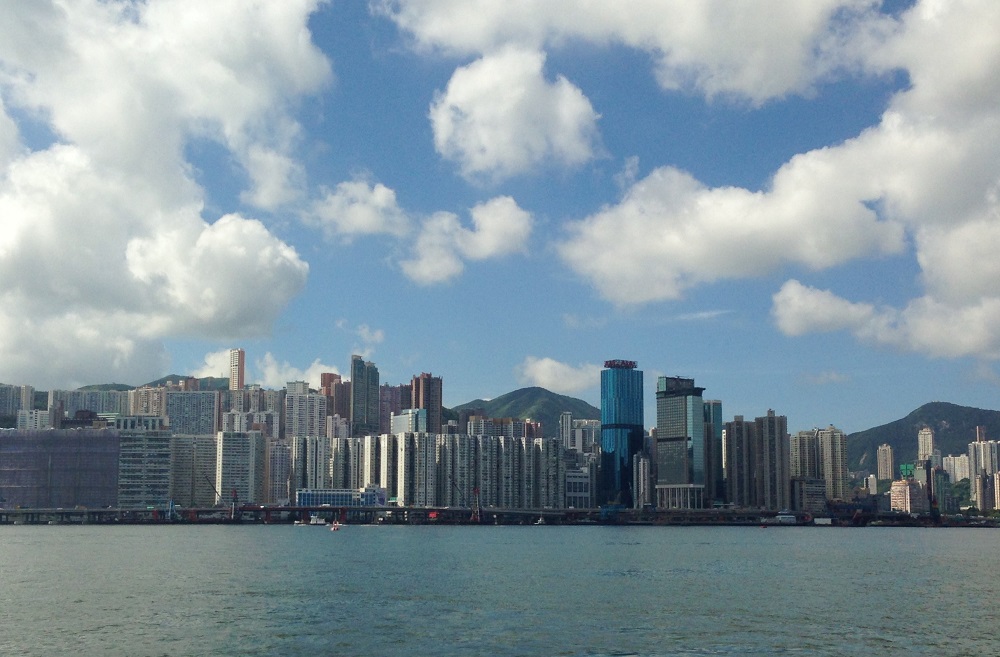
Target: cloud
[[500, 228], [216, 364], [670, 232], [799, 309], [925, 178], [556, 376], [499, 117], [10, 139], [702, 316], [368, 336], [359, 208], [827, 377], [753, 51], [925, 325], [106, 250], [269, 373]]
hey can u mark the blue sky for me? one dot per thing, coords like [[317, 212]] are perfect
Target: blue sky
[[797, 204]]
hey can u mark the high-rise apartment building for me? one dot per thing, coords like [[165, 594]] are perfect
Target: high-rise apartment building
[[144, 468], [364, 397], [426, 394], [279, 464], [984, 462], [305, 417], [193, 412], [804, 455], [237, 369], [925, 444], [683, 448], [391, 401], [621, 429], [416, 464], [739, 461], [566, 430], [886, 462], [239, 467], [771, 462], [833, 459], [192, 469], [957, 467]]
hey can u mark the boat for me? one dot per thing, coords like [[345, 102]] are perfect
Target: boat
[[334, 526], [540, 521]]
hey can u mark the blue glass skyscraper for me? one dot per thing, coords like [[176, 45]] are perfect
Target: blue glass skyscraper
[[621, 429]]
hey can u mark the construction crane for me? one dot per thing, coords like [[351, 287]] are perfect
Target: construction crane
[[475, 500]]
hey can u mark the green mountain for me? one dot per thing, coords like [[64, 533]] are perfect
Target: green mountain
[[954, 428], [206, 383], [538, 404], [119, 387]]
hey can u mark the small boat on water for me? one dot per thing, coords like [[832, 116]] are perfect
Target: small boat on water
[[334, 526]]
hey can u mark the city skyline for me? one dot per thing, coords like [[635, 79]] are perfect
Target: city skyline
[[795, 208]]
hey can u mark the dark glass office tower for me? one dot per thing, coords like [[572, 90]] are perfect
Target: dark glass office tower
[[683, 465], [621, 429]]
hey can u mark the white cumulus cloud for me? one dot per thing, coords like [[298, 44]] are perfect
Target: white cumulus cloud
[[925, 178], [215, 364], [754, 51], [500, 228], [358, 208], [500, 117], [270, 373], [106, 250], [558, 377]]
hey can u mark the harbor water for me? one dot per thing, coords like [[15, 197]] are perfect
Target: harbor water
[[496, 590]]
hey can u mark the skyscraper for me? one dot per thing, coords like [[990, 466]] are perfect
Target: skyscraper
[[713, 425], [886, 462], [682, 450], [739, 461], [833, 459], [621, 429], [771, 467], [237, 369], [427, 394], [925, 444], [364, 397]]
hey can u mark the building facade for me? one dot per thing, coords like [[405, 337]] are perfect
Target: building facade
[[886, 463], [621, 430], [683, 471], [364, 397]]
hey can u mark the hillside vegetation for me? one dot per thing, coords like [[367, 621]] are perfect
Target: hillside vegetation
[[954, 428]]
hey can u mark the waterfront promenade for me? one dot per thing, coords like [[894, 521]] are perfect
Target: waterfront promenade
[[256, 514]]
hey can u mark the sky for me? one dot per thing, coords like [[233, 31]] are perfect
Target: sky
[[797, 204]]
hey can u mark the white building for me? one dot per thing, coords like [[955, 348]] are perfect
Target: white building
[[239, 467], [886, 462], [35, 420], [957, 467], [833, 459], [192, 411], [416, 468], [925, 444]]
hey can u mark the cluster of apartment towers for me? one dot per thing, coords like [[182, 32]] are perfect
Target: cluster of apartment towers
[[348, 443], [201, 448], [913, 491]]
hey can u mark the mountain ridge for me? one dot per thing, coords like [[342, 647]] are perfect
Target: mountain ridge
[[954, 428], [534, 402]]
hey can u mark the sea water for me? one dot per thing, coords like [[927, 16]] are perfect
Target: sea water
[[489, 590]]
